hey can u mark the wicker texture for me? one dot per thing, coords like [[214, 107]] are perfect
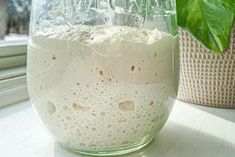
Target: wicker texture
[[206, 78]]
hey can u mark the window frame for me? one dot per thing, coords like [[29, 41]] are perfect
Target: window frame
[[13, 87]]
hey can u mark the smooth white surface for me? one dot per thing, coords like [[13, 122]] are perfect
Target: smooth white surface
[[191, 131]]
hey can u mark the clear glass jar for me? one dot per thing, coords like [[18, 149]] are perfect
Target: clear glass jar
[[103, 74]]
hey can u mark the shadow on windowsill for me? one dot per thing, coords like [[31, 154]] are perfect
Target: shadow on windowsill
[[14, 108], [227, 114]]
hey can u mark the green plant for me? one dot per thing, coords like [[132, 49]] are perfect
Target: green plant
[[209, 21]]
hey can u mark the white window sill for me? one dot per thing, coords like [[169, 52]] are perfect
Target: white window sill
[[13, 86], [191, 131], [12, 54], [12, 71]]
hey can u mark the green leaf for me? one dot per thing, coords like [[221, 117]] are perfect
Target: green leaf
[[209, 21]]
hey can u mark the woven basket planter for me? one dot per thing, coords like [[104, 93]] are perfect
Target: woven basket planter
[[206, 78]]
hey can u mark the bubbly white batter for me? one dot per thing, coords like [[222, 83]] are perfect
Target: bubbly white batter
[[103, 87]]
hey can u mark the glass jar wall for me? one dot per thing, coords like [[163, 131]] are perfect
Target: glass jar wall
[[103, 74]]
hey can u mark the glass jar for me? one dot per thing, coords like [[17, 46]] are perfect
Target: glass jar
[[103, 74]]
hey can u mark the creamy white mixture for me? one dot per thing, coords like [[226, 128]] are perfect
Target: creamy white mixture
[[101, 88]]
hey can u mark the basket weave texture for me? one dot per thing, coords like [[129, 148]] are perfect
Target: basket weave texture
[[206, 78]]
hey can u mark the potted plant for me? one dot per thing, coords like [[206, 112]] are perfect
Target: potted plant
[[207, 42]]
